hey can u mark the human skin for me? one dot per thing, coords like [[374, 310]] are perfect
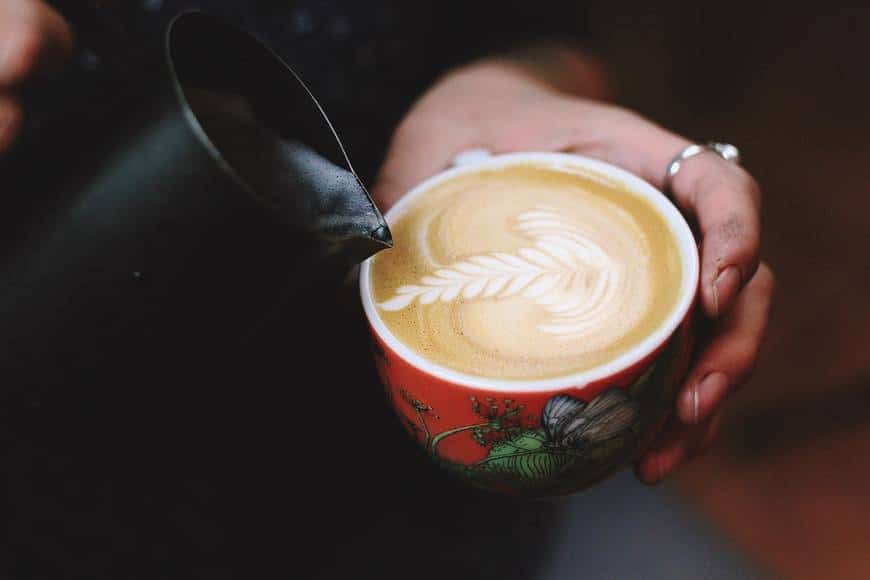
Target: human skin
[[551, 99]]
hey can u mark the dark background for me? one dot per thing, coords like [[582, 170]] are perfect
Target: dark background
[[87, 489], [788, 478], [789, 84]]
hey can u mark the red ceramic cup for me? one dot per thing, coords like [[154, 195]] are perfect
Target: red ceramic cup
[[542, 437]]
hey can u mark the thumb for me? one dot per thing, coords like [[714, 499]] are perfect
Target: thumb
[[419, 149]]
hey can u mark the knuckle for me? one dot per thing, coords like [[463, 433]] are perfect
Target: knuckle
[[739, 241], [625, 114], [744, 355], [624, 120], [603, 152], [732, 228]]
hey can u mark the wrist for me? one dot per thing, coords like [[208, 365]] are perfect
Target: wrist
[[540, 71], [565, 68], [469, 92], [494, 76]]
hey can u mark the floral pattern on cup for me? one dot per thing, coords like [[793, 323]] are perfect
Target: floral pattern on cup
[[568, 445], [549, 436]]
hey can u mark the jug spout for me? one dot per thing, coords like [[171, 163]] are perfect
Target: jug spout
[[383, 235], [269, 131], [307, 191]]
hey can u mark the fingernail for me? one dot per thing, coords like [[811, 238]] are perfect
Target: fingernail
[[708, 391], [725, 288]]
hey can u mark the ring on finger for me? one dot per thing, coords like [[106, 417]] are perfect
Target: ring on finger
[[726, 151]]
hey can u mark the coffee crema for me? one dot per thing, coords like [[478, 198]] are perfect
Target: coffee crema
[[526, 272]]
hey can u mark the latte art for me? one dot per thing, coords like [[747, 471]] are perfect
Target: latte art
[[526, 272], [567, 273]]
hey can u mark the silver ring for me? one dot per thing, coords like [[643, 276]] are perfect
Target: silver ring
[[726, 151]]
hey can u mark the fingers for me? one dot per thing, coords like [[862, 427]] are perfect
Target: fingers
[[419, 149], [729, 358], [725, 200], [679, 443], [720, 195], [10, 122], [723, 365], [33, 38]]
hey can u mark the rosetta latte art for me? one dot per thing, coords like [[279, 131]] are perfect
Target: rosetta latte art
[[525, 272], [565, 272]]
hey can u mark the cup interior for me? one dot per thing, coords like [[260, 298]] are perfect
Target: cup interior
[[589, 168]]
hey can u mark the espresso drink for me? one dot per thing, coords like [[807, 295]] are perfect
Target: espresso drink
[[526, 272]]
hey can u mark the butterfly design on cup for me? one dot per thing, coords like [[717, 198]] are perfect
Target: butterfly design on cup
[[570, 422]]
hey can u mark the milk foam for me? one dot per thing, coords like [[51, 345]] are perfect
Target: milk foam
[[525, 273], [567, 272]]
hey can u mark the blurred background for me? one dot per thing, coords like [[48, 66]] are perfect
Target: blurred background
[[787, 479], [785, 485]]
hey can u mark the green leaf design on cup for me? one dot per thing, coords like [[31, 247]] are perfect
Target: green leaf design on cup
[[528, 456]]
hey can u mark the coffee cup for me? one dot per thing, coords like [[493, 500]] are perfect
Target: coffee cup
[[534, 321]]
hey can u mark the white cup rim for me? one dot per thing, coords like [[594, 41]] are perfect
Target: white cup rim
[[688, 289]]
